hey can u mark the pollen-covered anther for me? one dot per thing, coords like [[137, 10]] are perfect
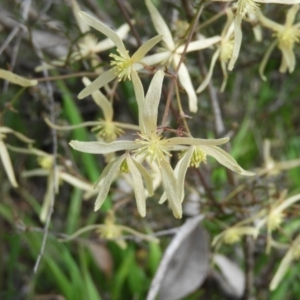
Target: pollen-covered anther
[[288, 37], [226, 50], [198, 156], [275, 219], [246, 6], [122, 64], [232, 236], [108, 131], [45, 162], [155, 148]]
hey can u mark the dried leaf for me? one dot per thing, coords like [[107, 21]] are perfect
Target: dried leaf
[[184, 265]]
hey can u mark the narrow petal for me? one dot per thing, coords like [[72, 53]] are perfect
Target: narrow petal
[[93, 22], [98, 83], [110, 172], [150, 108], [200, 44], [157, 58], [7, 164], [170, 187], [265, 59], [146, 177], [206, 80], [237, 41], [19, 135], [140, 97], [185, 81], [103, 148], [196, 142], [225, 159], [106, 44], [16, 79], [180, 171], [48, 198], [35, 172], [291, 15], [101, 101], [145, 48], [160, 25], [138, 186], [76, 182], [81, 24], [283, 267]]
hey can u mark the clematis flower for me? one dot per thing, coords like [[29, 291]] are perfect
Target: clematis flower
[[87, 47], [106, 129], [171, 53], [241, 8], [6, 161], [153, 147], [272, 167], [110, 230], [123, 65], [45, 160], [285, 38], [223, 52]]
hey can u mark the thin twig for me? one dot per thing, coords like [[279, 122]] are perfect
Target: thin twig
[[174, 79]]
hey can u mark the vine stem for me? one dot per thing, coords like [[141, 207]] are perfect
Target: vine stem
[[174, 79]]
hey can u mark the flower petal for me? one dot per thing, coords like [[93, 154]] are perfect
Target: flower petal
[[7, 164], [93, 22], [101, 101], [138, 187], [98, 83], [150, 107], [199, 44], [237, 41], [196, 142], [139, 96], [170, 187], [76, 182], [180, 171], [160, 25], [146, 177], [206, 80], [106, 44], [145, 48], [106, 180], [225, 159], [185, 81], [103, 148], [16, 79], [157, 58], [19, 135]]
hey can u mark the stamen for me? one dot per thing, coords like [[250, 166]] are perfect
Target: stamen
[[122, 64]]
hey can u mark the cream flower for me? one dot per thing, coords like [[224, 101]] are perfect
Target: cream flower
[[171, 53], [223, 52], [105, 128], [242, 7], [60, 173], [286, 36], [87, 46], [123, 65], [110, 230], [5, 158], [153, 147]]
